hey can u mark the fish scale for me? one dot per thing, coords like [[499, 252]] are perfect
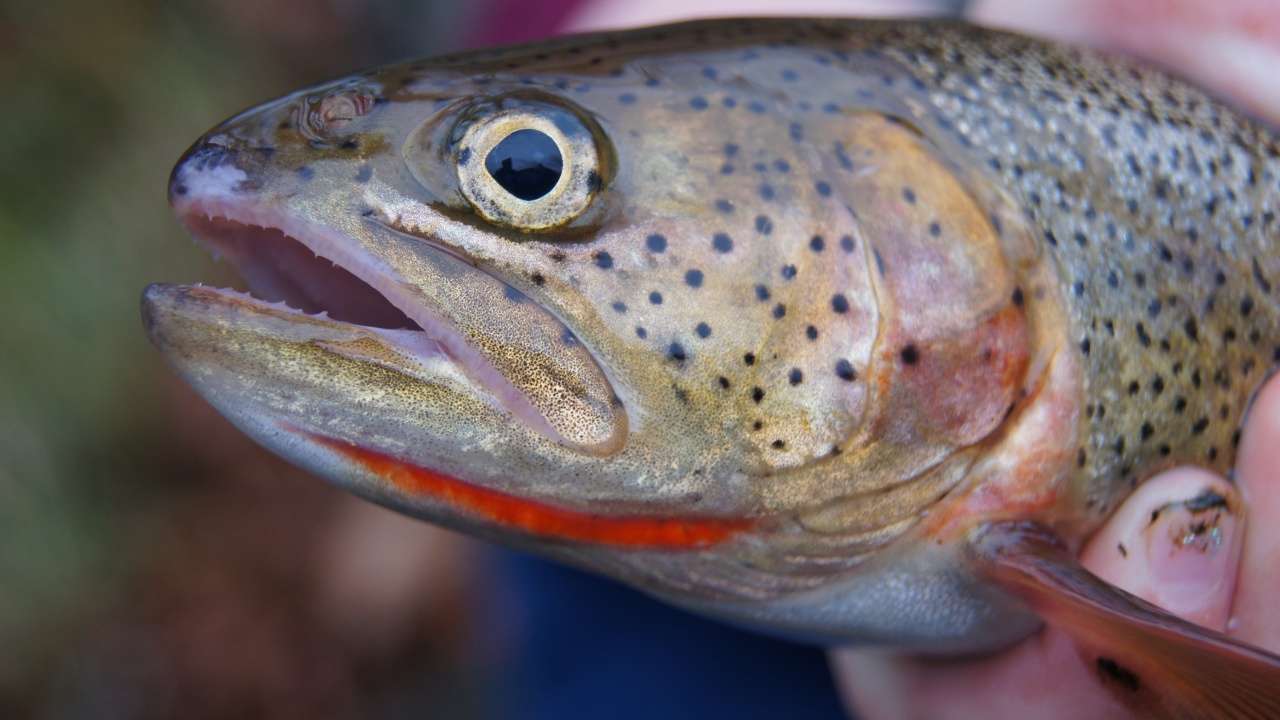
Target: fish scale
[[1176, 326], [850, 331]]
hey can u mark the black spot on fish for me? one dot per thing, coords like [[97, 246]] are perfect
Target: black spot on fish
[[693, 278], [676, 351], [764, 225], [697, 102], [724, 382], [538, 279], [875, 252], [641, 332], [845, 371], [1143, 337], [724, 206], [811, 332], [306, 173], [1018, 299], [823, 188], [1261, 280], [1200, 425], [656, 243], [1085, 346], [757, 394], [778, 444], [655, 297], [619, 306], [910, 355], [1114, 672], [779, 311], [604, 260], [703, 330], [1153, 308], [909, 195], [722, 243], [817, 244], [845, 162], [795, 131], [935, 229], [795, 377], [1191, 329], [846, 243], [626, 98], [840, 303], [730, 149], [788, 272], [762, 293], [749, 359], [756, 106], [766, 192]]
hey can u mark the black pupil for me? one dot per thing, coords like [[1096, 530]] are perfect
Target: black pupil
[[526, 163]]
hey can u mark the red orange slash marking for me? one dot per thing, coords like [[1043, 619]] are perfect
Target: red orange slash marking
[[538, 518]]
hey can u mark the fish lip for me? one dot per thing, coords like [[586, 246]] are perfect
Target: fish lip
[[204, 198]]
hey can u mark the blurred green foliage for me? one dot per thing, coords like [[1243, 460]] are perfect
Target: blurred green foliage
[[98, 100]]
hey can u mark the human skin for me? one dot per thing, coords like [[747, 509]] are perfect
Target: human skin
[[1233, 48]]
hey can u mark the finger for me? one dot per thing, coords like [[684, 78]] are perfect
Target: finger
[[1255, 618], [1175, 542], [1229, 46]]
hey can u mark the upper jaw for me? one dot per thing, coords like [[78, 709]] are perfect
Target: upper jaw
[[402, 290]]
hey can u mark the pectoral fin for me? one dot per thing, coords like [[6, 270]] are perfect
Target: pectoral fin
[[1155, 662]]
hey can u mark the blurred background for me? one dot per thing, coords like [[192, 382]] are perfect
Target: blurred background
[[153, 562]]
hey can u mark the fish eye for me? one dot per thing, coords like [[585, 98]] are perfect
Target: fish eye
[[527, 165]]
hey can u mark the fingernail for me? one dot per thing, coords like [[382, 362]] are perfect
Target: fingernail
[[1193, 552]]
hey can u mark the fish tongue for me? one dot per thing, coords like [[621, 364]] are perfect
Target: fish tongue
[[1155, 662]]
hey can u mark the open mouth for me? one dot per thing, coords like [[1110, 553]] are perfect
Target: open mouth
[[417, 299], [281, 269]]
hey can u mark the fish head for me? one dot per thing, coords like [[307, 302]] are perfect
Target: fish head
[[706, 317]]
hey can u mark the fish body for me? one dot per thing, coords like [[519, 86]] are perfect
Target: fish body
[[851, 331]]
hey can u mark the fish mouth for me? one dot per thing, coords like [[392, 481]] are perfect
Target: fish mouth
[[294, 265]]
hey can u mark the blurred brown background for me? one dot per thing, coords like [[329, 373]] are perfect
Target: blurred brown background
[[153, 562]]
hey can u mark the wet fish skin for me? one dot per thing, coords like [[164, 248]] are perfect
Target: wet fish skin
[[862, 290]]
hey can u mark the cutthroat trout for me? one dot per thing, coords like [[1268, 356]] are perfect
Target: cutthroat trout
[[850, 331]]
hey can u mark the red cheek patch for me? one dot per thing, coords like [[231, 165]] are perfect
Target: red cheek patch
[[538, 518]]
